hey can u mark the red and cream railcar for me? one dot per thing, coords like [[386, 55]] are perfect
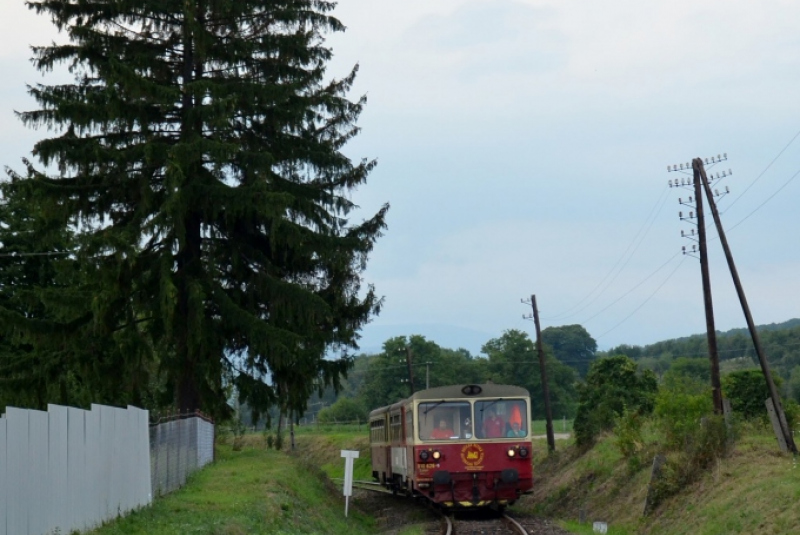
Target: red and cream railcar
[[458, 446]]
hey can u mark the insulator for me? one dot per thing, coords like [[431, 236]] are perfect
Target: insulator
[[691, 215], [725, 155], [681, 166], [683, 248], [680, 214], [683, 234], [718, 157], [690, 199], [730, 172], [716, 193], [727, 190], [680, 201], [669, 169]]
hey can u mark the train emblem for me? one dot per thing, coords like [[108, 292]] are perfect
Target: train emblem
[[472, 456]]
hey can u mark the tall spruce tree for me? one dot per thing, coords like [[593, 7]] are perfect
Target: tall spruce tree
[[198, 162]]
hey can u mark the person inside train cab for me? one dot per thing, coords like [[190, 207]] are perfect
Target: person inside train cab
[[493, 425], [516, 430], [443, 431]]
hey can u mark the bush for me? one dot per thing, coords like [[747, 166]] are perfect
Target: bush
[[344, 410], [630, 442], [612, 385], [705, 443], [680, 405], [747, 390]]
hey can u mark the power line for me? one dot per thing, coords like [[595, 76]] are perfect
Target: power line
[[632, 289], [765, 201], [637, 240], [763, 172], [646, 300]]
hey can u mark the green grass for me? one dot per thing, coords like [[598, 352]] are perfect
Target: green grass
[[254, 491], [539, 427]]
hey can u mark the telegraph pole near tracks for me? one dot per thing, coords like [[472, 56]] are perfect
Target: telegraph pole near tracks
[[409, 358], [697, 165], [713, 355], [551, 440], [711, 333]]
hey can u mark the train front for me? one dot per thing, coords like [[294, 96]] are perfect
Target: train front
[[474, 451]]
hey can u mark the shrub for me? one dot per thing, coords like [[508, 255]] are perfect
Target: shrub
[[343, 410], [628, 431], [680, 405], [747, 390], [612, 385]]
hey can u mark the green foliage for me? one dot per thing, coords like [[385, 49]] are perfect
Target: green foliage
[[199, 177], [344, 410], [386, 374], [612, 385], [571, 345], [747, 391], [513, 359], [696, 369], [705, 444], [681, 404], [630, 441]]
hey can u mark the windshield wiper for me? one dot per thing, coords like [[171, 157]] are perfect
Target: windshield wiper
[[490, 404], [429, 409]]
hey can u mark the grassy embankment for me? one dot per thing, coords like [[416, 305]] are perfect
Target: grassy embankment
[[751, 491], [252, 491]]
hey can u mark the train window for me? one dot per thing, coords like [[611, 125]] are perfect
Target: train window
[[377, 431], [444, 420], [395, 428], [410, 425], [501, 418]]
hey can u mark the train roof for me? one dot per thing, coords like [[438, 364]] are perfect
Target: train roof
[[487, 390]]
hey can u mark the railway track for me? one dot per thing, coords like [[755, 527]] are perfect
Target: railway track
[[483, 522]]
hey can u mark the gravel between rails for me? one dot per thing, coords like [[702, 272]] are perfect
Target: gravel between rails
[[395, 513]]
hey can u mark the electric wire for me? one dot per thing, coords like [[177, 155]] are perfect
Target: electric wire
[[765, 201], [632, 289], [626, 318], [764, 171], [635, 243]]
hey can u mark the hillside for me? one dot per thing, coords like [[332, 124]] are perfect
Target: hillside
[[751, 491]]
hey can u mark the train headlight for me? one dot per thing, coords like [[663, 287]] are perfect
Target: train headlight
[[511, 452], [523, 451], [437, 455], [423, 455]]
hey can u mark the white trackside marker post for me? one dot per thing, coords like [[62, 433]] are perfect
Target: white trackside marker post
[[348, 455]]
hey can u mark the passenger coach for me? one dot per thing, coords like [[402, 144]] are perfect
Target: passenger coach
[[458, 446]]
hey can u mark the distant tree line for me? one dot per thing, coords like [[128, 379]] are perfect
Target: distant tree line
[[781, 343]]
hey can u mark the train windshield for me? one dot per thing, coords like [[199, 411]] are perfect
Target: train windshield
[[496, 418], [444, 420]]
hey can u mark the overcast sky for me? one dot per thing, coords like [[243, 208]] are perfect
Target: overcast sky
[[523, 146]]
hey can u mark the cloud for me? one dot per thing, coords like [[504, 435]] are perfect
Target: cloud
[[480, 39]]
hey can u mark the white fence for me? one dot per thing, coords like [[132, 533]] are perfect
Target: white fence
[[71, 469], [178, 448]]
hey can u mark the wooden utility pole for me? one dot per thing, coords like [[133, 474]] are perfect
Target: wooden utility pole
[[409, 358], [697, 165], [713, 355], [551, 439]]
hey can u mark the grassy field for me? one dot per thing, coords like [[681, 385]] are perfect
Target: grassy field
[[253, 491]]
